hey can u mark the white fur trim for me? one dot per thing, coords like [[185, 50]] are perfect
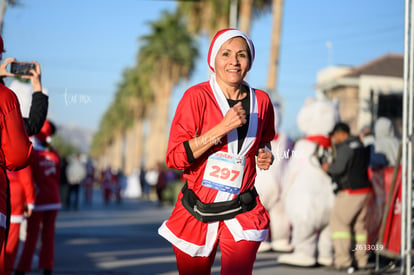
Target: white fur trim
[[250, 235], [190, 248], [16, 219], [220, 40], [224, 107]]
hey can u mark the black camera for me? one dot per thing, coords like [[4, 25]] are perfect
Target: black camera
[[21, 68]]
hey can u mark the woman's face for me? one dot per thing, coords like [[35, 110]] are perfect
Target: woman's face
[[232, 61]]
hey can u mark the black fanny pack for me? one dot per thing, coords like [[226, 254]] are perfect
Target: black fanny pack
[[218, 211]]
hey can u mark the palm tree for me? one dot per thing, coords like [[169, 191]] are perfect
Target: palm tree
[[122, 117], [3, 7], [137, 98], [166, 56], [208, 16]]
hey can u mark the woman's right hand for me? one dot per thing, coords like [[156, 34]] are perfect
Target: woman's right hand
[[234, 118]]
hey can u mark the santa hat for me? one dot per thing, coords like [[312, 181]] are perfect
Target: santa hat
[[48, 129], [220, 38]]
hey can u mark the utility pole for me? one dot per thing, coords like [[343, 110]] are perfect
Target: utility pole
[[277, 10], [407, 140], [233, 14]]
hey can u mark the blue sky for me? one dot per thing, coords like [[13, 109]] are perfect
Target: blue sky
[[83, 47]]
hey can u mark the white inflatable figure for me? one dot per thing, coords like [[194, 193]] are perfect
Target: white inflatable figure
[[269, 185], [308, 193], [133, 186], [24, 93]]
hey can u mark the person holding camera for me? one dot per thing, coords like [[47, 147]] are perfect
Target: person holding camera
[[20, 195], [39, 100], [15, 150]]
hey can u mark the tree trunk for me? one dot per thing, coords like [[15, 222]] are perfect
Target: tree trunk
[[275, 45], [133, 152], [156, 143], [3, 9], [117, 152], [245, 15]]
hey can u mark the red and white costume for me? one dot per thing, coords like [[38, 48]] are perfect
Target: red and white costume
[[107, 181], [15, 148], [22, 195], [46, 174], [201, 108]]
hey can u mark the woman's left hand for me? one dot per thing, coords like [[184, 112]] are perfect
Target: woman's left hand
[[264, 159], [35, 77]]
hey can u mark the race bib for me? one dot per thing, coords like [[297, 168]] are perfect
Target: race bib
[[224, 172]]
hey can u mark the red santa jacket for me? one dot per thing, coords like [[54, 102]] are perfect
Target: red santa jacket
[[107, 178], [15, 145], [46, 174], [22, 192], [198, 112]]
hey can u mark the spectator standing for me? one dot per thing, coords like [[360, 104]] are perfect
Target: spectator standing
[[107, 179], [349, 170], [119, 183], [33, 105], [89, 181], [386, 142], [161, 183], [384, 148], [75, 172], [15, 148], [64, 183], [143, 182]]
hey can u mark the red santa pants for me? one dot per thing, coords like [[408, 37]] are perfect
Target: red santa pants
[[2, 235], [46, 220], [236, 257], [88, 190], [107, 194], [7, 260]]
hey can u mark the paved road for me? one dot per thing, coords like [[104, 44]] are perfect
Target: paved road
[[122, 239]]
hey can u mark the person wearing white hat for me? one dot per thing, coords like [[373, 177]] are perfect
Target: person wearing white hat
[[221, 129]]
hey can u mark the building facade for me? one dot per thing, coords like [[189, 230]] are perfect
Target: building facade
[[365, 92]]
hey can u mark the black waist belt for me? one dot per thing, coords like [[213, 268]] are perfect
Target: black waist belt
[[218, 211]]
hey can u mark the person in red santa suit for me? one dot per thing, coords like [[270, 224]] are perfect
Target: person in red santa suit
[[88, 182], [221, 129], [107, 179], [15, 150], [22, 200], [33, 102], [45, 167]]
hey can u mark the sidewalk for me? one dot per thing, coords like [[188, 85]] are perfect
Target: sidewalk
[[122, 239]]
